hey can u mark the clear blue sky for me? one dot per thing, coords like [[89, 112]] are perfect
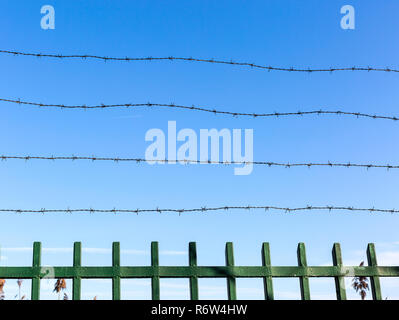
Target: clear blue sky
[[274, 32]]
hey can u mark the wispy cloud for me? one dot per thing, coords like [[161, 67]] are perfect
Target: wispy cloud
[[388, 256], [93, 251], [173, 253], [20, 249]]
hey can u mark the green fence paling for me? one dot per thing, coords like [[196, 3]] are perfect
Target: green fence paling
[[116, 272]]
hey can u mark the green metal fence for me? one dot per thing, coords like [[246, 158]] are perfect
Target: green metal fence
[[116, 272]]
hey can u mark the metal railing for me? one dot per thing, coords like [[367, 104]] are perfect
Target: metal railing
[[193, 272]]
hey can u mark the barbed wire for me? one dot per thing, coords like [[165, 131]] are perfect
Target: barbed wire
[[191, 59], [188, 161], [202, 209], [194, 108]]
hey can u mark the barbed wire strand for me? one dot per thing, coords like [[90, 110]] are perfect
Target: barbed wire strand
[[202, 209], [188, 161], [194, 108], [191, 59]]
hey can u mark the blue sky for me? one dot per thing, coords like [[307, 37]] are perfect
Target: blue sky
[[281, 33]]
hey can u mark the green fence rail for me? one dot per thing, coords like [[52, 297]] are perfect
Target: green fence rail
[[116, 272]]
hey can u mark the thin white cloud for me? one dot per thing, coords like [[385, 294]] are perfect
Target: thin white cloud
[[387, 244], [391, 283], [97, 250], [384, 258], [92, 251], [173, 253], [171, 285], [287, 295], [133, 251], [388, 258], [21, 249], [57, 250]]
